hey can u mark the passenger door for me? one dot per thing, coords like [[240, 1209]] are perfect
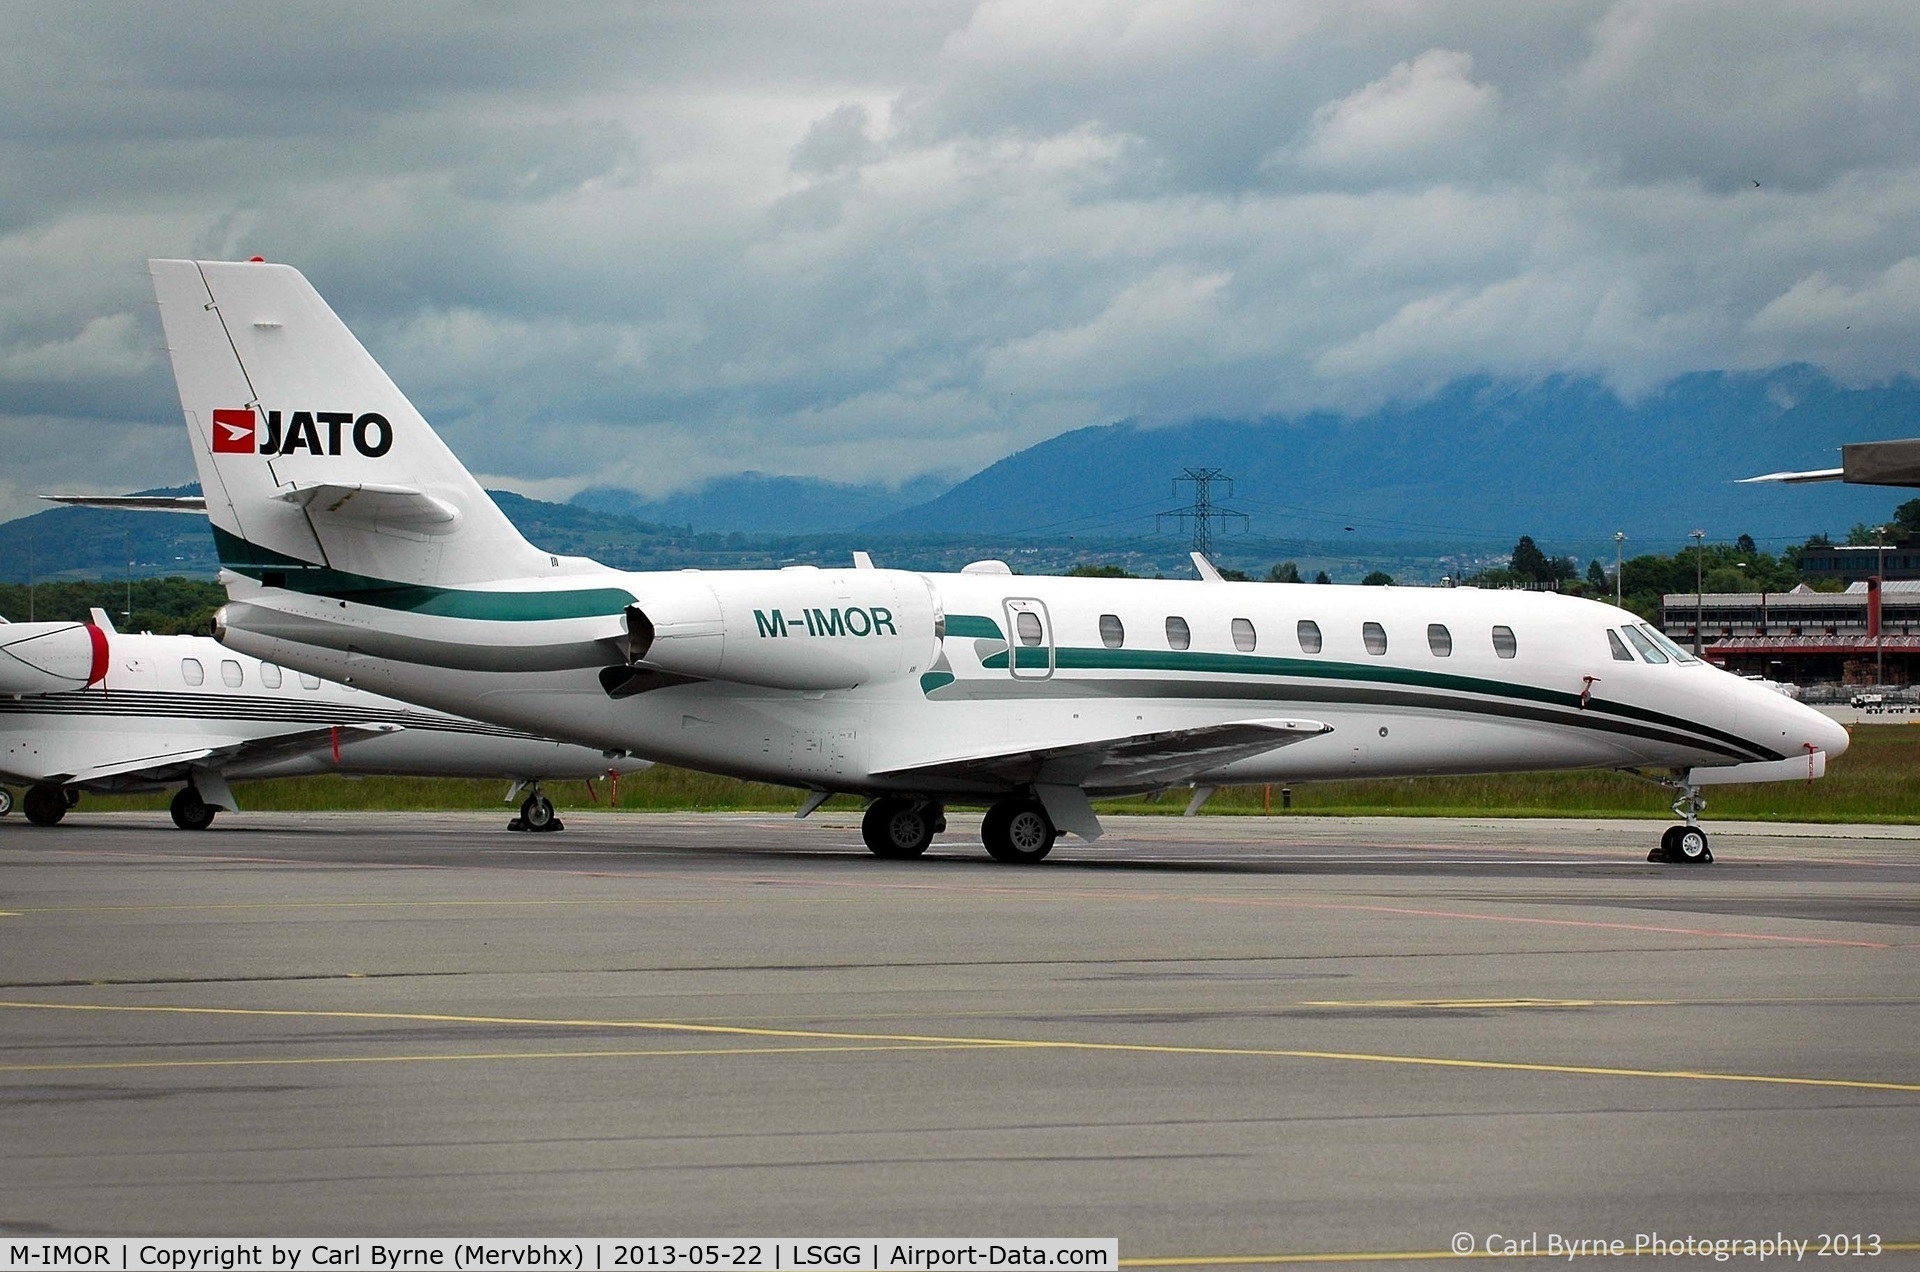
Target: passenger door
[[1029, 639]]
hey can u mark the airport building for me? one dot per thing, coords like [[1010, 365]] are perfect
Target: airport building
[[1866, 635], [1851, 563]]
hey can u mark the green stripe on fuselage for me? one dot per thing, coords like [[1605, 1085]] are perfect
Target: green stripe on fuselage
[[295, 575], [1195, 662]]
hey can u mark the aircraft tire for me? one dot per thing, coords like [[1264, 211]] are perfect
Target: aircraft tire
[[6, 801], [1017, 832], [189, 811], [45, 805], [1690, 847], [897, 828], [536, 814]]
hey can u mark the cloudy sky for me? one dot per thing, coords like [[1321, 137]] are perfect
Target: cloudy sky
[[645, 244]]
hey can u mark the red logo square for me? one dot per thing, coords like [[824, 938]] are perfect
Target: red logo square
[[233, 432]]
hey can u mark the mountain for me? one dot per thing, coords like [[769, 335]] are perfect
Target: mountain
[[1563, 459], [755, 503]]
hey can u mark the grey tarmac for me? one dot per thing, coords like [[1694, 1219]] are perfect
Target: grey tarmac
[[1217, 1039]]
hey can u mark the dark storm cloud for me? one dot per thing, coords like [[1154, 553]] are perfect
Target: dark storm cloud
[[648, 244]]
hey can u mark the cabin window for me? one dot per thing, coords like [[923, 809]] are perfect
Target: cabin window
[[1244, 637], [230, 673], [309, 682], [1112, 633], [1679, 652], [1618, 647], [1309, 636], [1439, 640], [1179, 635], [1503, 642], [1648, 650], [270, 675], [1375, 637], [192, 672], [1027, 624]]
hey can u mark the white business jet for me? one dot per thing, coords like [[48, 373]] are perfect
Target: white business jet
[[86, 708], [356, 546]]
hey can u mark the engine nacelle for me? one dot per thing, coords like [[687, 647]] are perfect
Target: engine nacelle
[[800, 628], [38, 658]]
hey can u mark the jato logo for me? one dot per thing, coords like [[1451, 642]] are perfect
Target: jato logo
[[316, 432]]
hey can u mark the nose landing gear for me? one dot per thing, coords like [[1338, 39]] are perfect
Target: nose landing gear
[[536, 813], [1685, 845]]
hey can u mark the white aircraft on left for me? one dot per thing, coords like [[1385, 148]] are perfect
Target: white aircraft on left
[[86, 708]]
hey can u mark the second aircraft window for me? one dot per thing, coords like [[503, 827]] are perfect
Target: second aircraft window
[[1309, 636], [1244, 637], [1619, 648], [230, 673], [192, 672], [1439, 640], [1375, 636], [1179, 636], [1112, 634]]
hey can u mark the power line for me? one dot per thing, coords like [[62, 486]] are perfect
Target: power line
[[1203, 512]]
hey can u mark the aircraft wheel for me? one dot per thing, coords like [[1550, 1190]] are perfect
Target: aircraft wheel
[[6, 801], [1017, 831], [1690, 847], [898, 828], [536, 814], [190, 812], [46, 805]]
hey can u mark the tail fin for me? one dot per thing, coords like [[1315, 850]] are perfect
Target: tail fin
[[314, 464]]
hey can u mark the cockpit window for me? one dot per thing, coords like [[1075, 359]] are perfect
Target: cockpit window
[[1618, 646], [1648, 650], [1660, 638]]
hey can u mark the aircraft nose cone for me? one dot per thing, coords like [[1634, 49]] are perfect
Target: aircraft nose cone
[[1828, 734]]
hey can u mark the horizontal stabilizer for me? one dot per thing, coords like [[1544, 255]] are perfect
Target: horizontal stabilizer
[[195, 504], [364, 501], [1134, 761]]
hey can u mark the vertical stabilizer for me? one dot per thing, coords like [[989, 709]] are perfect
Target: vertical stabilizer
[[314, 464]]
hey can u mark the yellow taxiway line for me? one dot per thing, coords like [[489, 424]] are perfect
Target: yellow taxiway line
[[943, 1040]]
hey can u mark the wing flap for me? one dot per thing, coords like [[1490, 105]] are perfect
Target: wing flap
[[1159, 758]]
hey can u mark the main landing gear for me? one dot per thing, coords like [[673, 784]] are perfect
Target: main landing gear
[[899, 826], [190, 812], [1685, 845], [1016, 830], [536, 814], [46, 805]]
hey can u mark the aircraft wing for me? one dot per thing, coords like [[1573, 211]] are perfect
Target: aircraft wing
[[1795, 479], [1161, 758], [219, 753]]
